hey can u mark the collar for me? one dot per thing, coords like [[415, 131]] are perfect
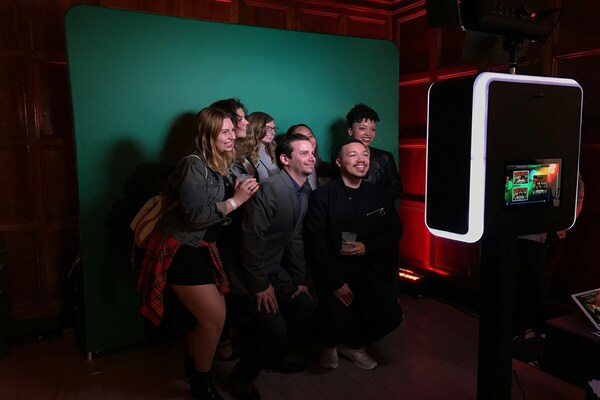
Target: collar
[[299, 189]]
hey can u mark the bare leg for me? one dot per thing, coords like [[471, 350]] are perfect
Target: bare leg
[[208, 307]]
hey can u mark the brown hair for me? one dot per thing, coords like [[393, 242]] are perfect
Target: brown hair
[[255, 132]]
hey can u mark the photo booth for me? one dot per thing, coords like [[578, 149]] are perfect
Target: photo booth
[[502, 161], [502, 155]]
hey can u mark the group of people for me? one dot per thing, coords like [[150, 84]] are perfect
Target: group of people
[[297, 256]]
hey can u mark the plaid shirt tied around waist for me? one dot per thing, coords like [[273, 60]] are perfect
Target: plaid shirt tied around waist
[[153, 274]]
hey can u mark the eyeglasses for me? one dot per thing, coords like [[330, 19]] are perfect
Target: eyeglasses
[[272, 129]]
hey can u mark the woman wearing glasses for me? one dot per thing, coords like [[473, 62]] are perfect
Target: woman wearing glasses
[[259, 146]]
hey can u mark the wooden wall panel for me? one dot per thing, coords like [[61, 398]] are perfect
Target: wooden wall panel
[[413, 43], [59, 249], [153, 6], [451, 46], [44, 21], [265, 14], [576, 269], [413, 108], [16, 202], [414, 246], [38, 286], [376, 28], [9, 25], [454, 258], [318, 21], [22, 259], [578, 28], [12, 100], [53, 108], [584, 67], [59, 191], [412, 166], [211, 10]]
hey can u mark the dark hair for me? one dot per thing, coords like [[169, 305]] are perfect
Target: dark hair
[[359, 112], [285, 146], [293, 128], [230, 107], [338, 151]]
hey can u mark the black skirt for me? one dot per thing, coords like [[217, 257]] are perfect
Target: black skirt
[[191, 266]]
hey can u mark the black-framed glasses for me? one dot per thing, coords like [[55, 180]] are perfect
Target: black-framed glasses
[[272, 128]]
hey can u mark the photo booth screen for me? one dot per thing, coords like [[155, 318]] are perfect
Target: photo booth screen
[[532, 183]]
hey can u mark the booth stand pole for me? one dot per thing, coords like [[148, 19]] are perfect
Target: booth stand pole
[[494, 367], [511, 44]]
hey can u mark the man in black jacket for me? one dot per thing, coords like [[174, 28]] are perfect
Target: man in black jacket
[[362, 124], [357, 302]]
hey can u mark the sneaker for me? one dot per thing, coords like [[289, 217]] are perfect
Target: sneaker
[[359, 357], [329, 358]]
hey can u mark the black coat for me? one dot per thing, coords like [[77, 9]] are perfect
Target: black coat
[[383, 172], [367, 211]]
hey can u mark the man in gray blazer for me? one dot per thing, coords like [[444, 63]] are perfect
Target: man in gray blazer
[[270, 290]]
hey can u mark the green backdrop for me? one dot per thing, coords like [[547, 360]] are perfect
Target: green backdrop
[[138, 79]]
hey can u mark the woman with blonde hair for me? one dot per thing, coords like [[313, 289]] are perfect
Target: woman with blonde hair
[[182, 251], [242, 168]]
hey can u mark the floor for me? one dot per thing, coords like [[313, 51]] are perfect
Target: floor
[[433, 355]]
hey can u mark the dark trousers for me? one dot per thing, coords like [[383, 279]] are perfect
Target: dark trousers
[[266, 335], [374, 313]]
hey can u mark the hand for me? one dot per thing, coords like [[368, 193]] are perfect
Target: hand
[[266, 299], [244, 190], [302, 289], [353, 249], [344, 294]]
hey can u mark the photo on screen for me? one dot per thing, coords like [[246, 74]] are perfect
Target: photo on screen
[[519, 194], [589, 302], [520, 177], [532, 183]]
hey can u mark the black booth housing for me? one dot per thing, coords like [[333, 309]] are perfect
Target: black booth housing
[[476, 125]]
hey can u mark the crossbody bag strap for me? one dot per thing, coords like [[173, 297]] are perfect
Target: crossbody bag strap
[[199, 158], [250, 168]]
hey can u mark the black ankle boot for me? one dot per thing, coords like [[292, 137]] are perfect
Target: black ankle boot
[[202, 386]]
